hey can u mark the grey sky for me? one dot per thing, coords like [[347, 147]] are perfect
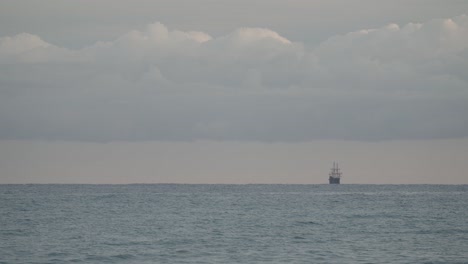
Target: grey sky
[[387, 162], [241, 73], [76, 23]]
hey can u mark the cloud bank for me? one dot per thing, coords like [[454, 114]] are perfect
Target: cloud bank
[[393, 82]]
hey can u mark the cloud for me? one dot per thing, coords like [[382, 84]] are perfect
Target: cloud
[[21, 43], [394, 82]]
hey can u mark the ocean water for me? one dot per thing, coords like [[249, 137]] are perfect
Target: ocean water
[[233, 223]]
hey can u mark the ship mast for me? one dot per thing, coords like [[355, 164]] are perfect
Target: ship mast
[[335, 171]]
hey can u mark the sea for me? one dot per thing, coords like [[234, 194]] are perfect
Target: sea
[[177, 223]]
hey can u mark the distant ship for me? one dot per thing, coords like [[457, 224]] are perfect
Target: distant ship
[[335, 174]]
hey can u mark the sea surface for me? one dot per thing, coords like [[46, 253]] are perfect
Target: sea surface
[[166, 223]]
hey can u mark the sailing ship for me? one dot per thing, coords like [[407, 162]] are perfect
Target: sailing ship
[[335, 174]]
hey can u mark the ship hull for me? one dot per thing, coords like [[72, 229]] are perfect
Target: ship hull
[[332, 180]]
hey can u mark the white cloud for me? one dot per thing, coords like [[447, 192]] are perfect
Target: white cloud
[[246, 36], [393, 82], [21, 43]]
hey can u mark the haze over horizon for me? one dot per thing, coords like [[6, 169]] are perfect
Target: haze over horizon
[[233, 91]]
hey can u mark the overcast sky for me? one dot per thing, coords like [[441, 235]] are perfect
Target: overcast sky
[[366, 79]]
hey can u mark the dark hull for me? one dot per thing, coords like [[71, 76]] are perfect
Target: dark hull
[[334, 180]]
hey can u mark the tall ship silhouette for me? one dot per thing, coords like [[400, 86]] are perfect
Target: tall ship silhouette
[[335, 174]]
